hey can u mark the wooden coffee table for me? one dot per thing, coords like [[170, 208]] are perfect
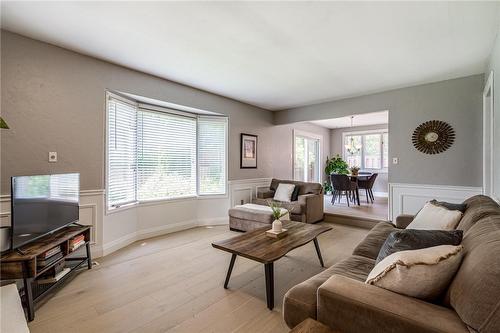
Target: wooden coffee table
[[255, 245]]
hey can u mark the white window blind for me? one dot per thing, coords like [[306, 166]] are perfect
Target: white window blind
[[122, 152], [156, 154], [212, 133], [166, 155]]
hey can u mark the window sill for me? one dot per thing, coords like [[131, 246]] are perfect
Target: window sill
[[156, 202]]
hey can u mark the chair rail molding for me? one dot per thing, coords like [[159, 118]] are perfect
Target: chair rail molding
[[409, 198], [242, 191], [91, 213]]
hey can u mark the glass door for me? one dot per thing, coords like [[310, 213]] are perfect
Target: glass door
[[306, 159]]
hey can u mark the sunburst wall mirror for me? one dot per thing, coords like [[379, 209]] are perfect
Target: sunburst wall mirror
[[433, 137]]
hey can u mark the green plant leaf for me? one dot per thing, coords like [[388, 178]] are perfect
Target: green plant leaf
[[3, 124]]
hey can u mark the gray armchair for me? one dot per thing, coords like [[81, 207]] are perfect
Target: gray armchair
[[308, 207]]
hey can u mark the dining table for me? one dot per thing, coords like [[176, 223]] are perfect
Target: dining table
[[355, 178]]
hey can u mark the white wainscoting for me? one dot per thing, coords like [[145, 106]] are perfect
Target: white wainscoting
[[113, 231], [244, 190], [409, 198]]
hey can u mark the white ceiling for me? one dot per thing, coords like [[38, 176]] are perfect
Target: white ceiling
[[271, 54], [366, 119]]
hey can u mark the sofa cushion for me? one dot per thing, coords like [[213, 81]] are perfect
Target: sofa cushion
[[370, 246], [475, 291], [354, 267], [310, 188], [410, 239], [304, 187], [300, 302], [247, 212], [478, 206], [294, 208]]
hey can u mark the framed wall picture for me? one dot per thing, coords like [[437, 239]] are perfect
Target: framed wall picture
[[248, 158]]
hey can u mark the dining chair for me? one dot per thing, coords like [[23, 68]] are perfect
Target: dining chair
[[367, 185], [342, 185]]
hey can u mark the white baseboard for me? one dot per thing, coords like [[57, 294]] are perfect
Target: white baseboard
[[213, 221], [409, 198], [128, 239]]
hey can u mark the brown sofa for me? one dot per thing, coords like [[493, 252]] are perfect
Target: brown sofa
[[339, 298], [309, 206]]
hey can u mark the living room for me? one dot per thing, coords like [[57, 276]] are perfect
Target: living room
[[175, 115]]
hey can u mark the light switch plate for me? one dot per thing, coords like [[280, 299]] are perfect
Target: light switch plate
[[395, 160], [52, 156]]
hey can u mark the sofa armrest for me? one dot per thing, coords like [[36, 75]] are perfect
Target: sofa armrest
[[265, 194], [11, 310], [350, 305], [403, 220], [314, 206]]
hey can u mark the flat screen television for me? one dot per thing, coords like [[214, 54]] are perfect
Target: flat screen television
[[42, 204]]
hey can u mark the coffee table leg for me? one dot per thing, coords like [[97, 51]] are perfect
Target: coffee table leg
[[229, 270], [318, 251], [269, 272]]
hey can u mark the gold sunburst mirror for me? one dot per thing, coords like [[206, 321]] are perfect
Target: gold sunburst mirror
[[433, 137]]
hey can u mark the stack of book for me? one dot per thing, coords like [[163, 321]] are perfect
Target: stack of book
[[51, 277], [49, 257], [76, 242]]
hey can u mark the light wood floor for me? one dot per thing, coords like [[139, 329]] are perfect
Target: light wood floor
[[377, 210], [173, 283]]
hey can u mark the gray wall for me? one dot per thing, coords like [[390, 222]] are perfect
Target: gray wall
[[283, 146], [458, 102], [54, 100], [494, 65], [336, 147]]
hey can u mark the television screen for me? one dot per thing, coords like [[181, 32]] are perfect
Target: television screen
[[43, 204]]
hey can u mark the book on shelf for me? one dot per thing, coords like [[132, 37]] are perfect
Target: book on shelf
[[48, 261], [76, 245], [55, 278], [51, 252], [77, 238]]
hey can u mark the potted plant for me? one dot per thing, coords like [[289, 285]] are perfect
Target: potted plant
[[327, 187], [336, 165], [354, 170], [278, 212]]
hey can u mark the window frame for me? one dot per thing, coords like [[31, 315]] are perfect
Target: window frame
[[381, 132], [138, 105], [308, 135]]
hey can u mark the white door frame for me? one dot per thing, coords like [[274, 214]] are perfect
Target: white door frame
[[320, 147], [488, 135]]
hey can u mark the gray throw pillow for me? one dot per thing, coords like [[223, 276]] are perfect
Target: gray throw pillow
[[449, 205], [295, 193], [414, 239]]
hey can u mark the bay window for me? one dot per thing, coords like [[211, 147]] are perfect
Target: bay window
[[157, 154]]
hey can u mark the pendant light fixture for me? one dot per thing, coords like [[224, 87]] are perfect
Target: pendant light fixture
[[352, 148]]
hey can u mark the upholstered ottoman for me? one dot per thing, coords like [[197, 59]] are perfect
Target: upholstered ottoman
[[251, 216]]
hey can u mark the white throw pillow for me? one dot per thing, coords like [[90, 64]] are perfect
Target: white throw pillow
[[433, 217], [284, 192], [424, 273]]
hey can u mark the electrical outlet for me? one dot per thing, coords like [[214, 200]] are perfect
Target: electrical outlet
[[395, 160], [52, 156]]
